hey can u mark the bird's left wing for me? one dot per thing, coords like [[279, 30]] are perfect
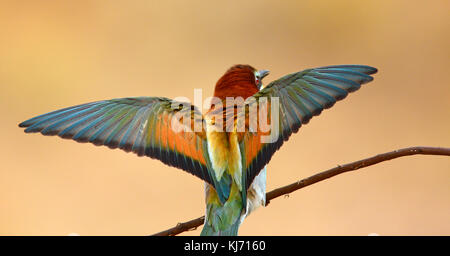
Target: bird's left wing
[[300, 96], [149, 126]]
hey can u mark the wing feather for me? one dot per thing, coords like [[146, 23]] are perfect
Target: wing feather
[[141, 125], [301, 95]]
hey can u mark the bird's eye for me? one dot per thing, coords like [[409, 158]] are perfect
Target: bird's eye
[[257, 80]]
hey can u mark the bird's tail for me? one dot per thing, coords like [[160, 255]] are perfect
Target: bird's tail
[[209, 230], [222, 218]]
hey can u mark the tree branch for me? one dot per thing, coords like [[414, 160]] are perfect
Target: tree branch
[[193, 224]]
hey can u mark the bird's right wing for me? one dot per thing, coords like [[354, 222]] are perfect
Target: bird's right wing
[[300, 96]]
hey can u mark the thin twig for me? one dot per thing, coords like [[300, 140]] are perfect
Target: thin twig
[[193, 224]]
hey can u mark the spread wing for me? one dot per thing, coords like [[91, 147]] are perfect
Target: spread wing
[[141, 125], [301, 96]]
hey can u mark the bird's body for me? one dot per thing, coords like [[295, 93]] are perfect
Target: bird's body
[[226, 158], [223, 147]]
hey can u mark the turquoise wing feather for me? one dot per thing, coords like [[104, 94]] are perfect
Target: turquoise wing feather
[[301, 96], [140, 125]]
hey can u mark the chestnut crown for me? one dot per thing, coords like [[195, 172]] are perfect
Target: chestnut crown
[[239, 81]]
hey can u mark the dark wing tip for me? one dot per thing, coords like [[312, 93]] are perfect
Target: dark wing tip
[[24, 124], [29, 130], [368, 70], [372, 70]]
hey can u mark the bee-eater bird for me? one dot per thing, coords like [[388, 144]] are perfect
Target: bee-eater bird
[[232, 162]]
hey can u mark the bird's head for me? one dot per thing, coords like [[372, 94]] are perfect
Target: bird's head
[[239, 81]]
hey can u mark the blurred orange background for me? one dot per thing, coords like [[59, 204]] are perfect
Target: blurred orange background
[[55, 54]]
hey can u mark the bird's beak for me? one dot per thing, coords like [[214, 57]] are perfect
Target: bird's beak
[[263, 73]]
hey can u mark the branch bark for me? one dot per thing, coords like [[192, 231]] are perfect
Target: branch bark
[[193, 224]]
